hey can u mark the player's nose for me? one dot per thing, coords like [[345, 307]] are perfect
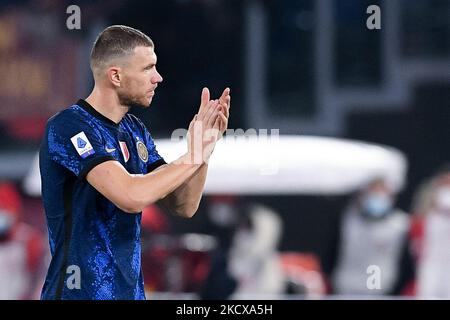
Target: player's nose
[[157, 78]]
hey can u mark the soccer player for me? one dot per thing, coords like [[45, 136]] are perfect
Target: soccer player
[[100, 168]]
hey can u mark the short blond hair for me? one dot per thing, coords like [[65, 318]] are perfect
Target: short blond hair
[[115, 42]]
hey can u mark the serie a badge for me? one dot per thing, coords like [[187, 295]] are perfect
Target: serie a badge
[[142, 151]]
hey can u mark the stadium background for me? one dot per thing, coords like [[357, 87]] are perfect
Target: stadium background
[[306, 67]]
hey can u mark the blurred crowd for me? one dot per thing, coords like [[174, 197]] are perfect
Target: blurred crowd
[[382, 251]]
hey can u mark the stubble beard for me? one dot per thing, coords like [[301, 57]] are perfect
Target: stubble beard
[[132, 101]]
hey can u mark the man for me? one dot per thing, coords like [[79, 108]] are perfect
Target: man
[[430, 237], [21, 249], [373, 236], [100, 168]]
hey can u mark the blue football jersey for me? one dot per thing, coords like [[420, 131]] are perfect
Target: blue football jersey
[[95, 246]]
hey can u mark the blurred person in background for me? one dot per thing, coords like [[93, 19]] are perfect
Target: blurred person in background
[[254, 256], [156, 248], [172, 263], [223, 215], [246, 260], [430, 235], [21, 249], [373, 233]]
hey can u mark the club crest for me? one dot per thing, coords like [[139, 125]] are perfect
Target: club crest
[[142, 151]]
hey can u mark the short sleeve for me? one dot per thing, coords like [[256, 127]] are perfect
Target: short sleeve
[[75, 144]]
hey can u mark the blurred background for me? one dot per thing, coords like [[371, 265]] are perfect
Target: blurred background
[[310, 68]]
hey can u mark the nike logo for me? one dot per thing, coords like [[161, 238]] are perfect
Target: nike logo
[[110, 150]]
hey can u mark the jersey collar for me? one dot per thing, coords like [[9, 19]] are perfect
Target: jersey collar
[[86, 106]]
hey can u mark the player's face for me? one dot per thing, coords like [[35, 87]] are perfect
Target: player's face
[[140, 78]]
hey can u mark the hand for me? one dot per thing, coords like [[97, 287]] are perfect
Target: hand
[[203, 130], [224, 102]]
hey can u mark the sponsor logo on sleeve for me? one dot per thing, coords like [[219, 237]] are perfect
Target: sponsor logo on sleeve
[[82, 145]]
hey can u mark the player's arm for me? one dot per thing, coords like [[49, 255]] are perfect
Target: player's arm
[[132, 193], [185, 200]]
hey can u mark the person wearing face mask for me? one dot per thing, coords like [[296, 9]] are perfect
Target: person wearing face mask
[[372, 244], [376, 204], [431, 236], [21, 250], [6, 223]]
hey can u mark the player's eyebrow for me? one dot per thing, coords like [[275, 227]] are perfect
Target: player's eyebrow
[[150, 65]]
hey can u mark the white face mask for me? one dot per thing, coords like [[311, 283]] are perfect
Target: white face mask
[[442, 198], [377, 204], [6, 222]]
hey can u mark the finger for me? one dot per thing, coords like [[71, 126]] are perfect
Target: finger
[[224, 97], [206, 109], [220, 126], [223, 118], [216, 128], [217, 124], [225, 93], [227, 106], [192, 122], [204, 98], [217, 109], [225, 102], [213, 115], [223, 122]]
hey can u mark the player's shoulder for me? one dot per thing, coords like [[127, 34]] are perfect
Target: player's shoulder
[[68, 115], [71, 121]]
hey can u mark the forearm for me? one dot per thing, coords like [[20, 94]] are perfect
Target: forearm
[[150, 188], [184, 200]]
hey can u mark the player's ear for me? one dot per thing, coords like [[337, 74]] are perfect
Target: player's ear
[[114, 75]]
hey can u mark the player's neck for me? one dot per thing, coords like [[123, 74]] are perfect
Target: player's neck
[[107, 104]]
